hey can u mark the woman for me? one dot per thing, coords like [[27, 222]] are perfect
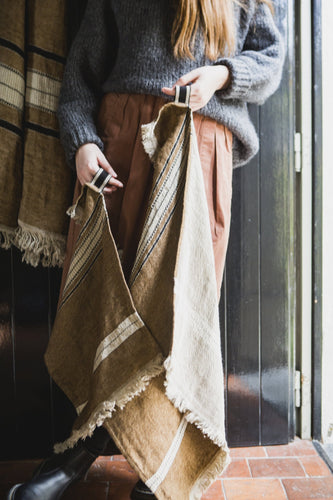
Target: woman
[[123, 66]]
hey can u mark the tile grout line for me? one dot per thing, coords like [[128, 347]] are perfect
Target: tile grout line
[[283, 488], [306, 474], [249, 467], [223, 490]]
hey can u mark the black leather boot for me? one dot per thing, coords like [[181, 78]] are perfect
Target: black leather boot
[[142, 492], [53, 476]]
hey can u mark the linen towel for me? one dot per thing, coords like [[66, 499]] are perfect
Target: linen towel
[[143, 358], [35, 182]]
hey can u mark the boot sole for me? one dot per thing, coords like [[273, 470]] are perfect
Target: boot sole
[[138, 494], [11, 492]]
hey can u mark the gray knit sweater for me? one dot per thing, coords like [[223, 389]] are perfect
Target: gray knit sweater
[[124, 46]]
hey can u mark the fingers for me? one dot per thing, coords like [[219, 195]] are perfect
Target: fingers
[[190, 77], [197, 99], [205, 81], [89, 158], [103, 163], [169, 91], [109, 189]]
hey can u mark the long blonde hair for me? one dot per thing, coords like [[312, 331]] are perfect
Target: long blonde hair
[[217, 20]]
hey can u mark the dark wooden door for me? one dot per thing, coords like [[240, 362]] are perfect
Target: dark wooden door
[[257, 309], [257, 306]]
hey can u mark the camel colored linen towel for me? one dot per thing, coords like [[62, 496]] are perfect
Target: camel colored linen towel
[[35, 182], [143, 358]]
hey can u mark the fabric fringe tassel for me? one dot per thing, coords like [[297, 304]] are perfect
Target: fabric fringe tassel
[[7, 237], [179, 401], [221, 459], [105, 409], [217, 465], [74, 212], [149, 140], [40, 247]]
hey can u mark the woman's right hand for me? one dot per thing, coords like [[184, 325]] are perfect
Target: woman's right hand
[[88, 159]]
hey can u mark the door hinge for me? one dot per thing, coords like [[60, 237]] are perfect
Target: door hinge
[[298, 151], [298, 388]]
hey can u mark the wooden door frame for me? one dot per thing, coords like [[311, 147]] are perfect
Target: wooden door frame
[[317, 234], [309, 208]]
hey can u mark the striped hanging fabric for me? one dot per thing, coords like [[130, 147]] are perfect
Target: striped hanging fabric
[[35, 182]]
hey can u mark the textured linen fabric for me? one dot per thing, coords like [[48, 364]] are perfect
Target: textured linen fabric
[[124, 46], [146, 363], [119, 120], [35, 184]]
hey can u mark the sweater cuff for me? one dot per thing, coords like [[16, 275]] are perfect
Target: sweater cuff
[[240, 78]]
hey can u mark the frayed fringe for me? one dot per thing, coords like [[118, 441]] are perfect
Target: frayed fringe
[[40, 247], [75, 213], [149, 140], [105, 409], [37, 246], [184, 407], [71, 211], [7, 237], [220, 461]]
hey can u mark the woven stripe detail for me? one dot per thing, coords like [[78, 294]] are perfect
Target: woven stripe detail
[[165, 195], [11, 127], [130, 325], [12, 46], [159, 476], [11, 87], [41, 130], [42, 91], [47, 54], [88, 247]]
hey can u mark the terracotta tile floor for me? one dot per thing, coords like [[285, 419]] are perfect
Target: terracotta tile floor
[[294, 472]]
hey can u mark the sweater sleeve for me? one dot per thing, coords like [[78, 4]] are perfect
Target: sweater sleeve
[[88, 63], [255, 73]]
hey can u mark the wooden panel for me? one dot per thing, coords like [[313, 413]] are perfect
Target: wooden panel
[[260, 279], [242, 288], [8, 446], [278, 269], [34, 412], [31, 307]]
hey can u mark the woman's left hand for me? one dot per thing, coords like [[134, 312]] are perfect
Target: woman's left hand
[[204, 83]]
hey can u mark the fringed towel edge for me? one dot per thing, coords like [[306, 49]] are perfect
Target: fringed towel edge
[[39, 246], [7, 236], [106, 408], [215, 468], [180, 402]]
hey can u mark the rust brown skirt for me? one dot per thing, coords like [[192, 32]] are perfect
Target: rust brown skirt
[[119, 125]]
